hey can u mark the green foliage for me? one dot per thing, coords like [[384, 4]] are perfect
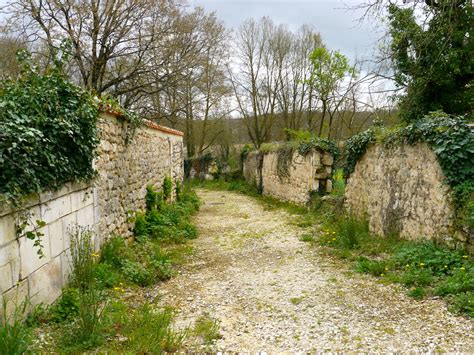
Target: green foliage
[[150, 198], [167, 188], [151, 331], [417, 292], [67, 307], [428, 256], [306, 142], [207, 328], [171, 221], [15, 336], [356, 147], [244, 152], [459, 281], [82, 258], [463, 303], [432, 57], [372, 267], [347, 233], [38, 114]]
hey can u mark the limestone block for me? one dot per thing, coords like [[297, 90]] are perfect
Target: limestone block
[[30, 260], [9, 252], [85, 216], [46, 283], [14, 297], [56, 238], [68, 223], [81, 199], [6, 278], [55, 209], [327, 159], [7, 229]]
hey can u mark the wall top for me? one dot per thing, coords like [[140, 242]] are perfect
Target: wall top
[[110, 111]]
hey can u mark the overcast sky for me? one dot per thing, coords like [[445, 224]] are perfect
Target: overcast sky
[[338, 26]]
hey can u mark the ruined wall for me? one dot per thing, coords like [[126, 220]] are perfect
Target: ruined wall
[[401, 191], [301, 176], [124, 170]]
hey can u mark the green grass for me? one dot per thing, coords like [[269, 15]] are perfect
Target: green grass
[[207, 328], [15, 336]]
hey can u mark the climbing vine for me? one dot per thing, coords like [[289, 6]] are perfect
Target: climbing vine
[[39, 114]]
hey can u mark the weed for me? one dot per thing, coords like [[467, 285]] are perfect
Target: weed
[[417, 292], [82, 258], [207, 328], [149, 331], [372, 267], [66, 307], [14, 334], [296, 300], [459, 281], [306, 238], [463, 303]]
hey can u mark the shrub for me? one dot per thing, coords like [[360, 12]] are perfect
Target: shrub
[[463, 303], [459, 281], [417, 292], [141, 227]]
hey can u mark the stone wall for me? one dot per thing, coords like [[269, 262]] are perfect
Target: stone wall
[[22, 272], [401, 191], [124, 170], [305, 174]]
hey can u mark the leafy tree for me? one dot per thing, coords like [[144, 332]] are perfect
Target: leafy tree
[[433, 60], [328, 74]]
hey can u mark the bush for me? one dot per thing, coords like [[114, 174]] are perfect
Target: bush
[[463, 303], [167, 188], [459, 281]]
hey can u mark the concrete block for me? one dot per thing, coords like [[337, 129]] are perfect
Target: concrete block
[[52, 195], [7, 229], [30, 260], [45, 284], [56, 237], [55, 209], [6, 278]]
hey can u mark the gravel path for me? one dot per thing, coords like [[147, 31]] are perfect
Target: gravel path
[[273, 293]]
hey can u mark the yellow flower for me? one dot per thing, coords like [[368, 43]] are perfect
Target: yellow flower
[[116, 288], [333, 232], [381, 274], [445, 266], [422, 264], [386, 269], [407, 265], [95, 255], [464, 256], [462, 268]]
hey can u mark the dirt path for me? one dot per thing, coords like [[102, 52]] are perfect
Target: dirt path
[[274, 293]]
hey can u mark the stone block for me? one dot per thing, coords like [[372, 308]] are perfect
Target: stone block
[[327, 159], [7, 229], [45, 284], [81, 199], [52, 195], [56, 238], [85, 216], [14, 298], [30, 260], [9, 252], [55, 209], [69, 222], [6, 278]]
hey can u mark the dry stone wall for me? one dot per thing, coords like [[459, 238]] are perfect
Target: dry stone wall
[[303, 175], [103, 206], [401, 190]]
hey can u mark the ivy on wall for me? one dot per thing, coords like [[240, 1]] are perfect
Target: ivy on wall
[[450, 138], [48, 133]]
